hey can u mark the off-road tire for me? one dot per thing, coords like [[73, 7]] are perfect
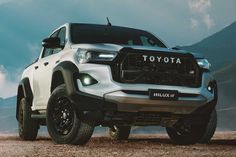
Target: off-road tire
[[179, 135], [84, 134], [78, 131], [210, 128], [119, 132], [28, 127]]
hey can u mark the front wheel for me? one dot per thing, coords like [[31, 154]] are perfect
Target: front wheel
[[119, 132], [210, 128], [63, 122], [185, 133]]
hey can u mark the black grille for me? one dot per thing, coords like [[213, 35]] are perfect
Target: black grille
[[131, 67]]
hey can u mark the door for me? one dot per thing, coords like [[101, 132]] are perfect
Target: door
[[43, 72]]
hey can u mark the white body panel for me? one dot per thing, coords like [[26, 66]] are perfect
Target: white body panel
[[42, 79]]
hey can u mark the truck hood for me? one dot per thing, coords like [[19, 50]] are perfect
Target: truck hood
[[117, 48]]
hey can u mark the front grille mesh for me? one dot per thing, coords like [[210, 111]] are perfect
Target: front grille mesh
[[132, 68]]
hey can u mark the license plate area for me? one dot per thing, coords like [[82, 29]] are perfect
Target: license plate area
[[171, 95]]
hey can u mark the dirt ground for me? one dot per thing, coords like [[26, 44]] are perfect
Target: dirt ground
[[223, 144]]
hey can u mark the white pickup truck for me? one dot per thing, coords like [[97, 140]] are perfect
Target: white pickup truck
[[117, 77]]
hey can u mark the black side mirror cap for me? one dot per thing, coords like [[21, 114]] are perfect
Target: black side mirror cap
[[53, 43]]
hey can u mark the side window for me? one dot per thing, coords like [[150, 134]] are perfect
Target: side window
[[47, 51], [147, 42], [62, 36], [134, 41]]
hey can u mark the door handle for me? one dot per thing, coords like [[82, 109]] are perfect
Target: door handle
[[36, 67], [46, 63]]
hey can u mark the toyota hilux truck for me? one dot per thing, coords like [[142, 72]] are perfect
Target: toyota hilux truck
[[90, 75]]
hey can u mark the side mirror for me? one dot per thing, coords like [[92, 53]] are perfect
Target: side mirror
[[53, 43]]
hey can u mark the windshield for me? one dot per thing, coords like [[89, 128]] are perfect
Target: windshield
[[92, 34]]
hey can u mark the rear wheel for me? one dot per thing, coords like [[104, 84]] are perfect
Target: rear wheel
[[63, 122], [28, 127], [119, 132]]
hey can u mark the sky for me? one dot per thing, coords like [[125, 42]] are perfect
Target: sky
[[24, 23]]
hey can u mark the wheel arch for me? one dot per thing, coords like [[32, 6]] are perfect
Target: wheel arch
[[210, 106], [24, 90], [65, 72]]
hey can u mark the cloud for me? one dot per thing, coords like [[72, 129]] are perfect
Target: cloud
[[199, 6], [200, 11], [7, 87], [194, 23], [208, 21]]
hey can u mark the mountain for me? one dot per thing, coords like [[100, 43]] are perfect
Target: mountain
[[226, 78], [1, 100], [7, 115], [219, 48]]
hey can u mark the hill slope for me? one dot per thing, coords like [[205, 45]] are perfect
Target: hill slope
[[8, 122], [226, 78], [220, 48], [1, 100]]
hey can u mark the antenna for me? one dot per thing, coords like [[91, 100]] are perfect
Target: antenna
[[108, 22]]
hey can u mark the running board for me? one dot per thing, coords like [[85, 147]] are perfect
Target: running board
[[38, 116]]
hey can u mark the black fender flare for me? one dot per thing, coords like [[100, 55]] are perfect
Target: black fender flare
[[209, 107], [215, 86], [24, 90], [69, 71], [84, 101]]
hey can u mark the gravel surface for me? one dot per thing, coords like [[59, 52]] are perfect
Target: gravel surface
[[223, 144]]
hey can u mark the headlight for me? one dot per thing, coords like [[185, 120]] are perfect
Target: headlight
[[203, 63], [84, 56]]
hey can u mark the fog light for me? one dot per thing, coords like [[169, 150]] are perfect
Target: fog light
[[87, 80], [210, 88]]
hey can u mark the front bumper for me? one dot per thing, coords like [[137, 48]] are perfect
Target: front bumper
[[142, 103], [134, 97]]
